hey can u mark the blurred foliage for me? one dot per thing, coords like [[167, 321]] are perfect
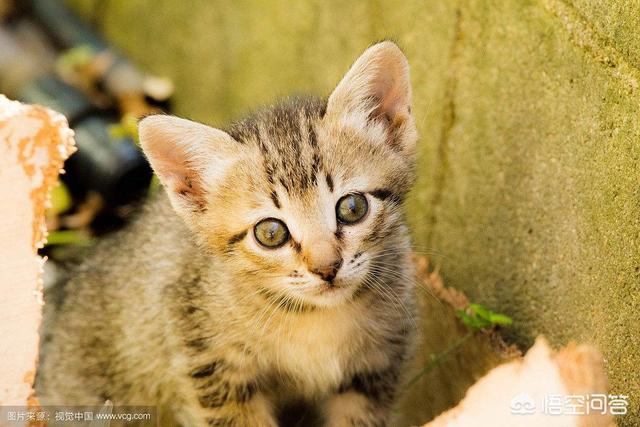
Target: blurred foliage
[[127, 127], [74, 58], [60, 199], [68, 237]]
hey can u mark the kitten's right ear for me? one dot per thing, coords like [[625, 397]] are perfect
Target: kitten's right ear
[[376, 91], [189, 158]]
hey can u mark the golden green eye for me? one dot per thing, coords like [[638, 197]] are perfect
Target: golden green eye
[[351, 208], [271, 232]]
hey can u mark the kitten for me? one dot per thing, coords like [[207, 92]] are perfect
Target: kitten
[[273, 269]]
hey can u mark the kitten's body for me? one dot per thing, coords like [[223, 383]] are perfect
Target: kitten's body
[[188, 312]]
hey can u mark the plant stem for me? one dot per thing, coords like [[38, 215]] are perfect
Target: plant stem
[[437, 358]]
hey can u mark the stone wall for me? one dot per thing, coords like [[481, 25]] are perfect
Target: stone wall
[[529, 190]]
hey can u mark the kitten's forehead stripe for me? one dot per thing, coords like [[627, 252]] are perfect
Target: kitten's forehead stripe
[[274, 199], [317, 159], [284, 184], [286, 138], [329, 180]]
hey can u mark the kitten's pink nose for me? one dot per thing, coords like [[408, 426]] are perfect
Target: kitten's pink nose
[[323, 259], [328, 272]]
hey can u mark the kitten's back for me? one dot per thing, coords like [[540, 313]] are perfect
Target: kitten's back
[[123, 279]]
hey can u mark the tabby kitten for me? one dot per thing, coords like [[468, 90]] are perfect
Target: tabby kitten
[[274, 268]]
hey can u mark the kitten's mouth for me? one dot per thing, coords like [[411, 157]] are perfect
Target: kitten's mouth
[[332, 294]]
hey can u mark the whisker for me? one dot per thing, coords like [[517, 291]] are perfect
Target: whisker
[[382, 268], [391, 292]]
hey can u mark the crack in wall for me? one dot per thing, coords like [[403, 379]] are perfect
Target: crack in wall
[[448, 121], [584, 36]]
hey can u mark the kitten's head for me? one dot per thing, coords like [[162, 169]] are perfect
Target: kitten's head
[[302, 200]]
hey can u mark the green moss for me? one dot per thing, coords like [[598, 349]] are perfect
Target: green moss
[[529, 175], [617, 21]]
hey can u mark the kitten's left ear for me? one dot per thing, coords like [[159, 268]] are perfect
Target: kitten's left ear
[[189, 158], [377, 91]]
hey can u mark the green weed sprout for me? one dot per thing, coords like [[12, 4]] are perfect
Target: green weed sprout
[[476, 317]]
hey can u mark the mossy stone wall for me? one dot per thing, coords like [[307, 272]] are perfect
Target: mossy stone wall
[[529, 110]]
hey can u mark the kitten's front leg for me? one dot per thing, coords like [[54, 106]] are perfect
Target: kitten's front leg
[[228, 396], [364, 400]]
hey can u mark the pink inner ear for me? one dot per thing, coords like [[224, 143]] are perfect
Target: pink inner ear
[[185, 182], [179, 177], [391, 89], [189, 187], [392, 105]]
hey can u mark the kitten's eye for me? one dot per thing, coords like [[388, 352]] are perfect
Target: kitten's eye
[[352, 208], [271, 232]]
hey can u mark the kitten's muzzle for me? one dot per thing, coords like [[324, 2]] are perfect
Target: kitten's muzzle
[[328, 272]]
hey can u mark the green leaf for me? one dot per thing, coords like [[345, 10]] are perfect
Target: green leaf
[[500, 319], [479, 317], [472, 321], [126, 128], [482, 323], [67, 237], [79, 56], [60, 199], [464, 317], [481, 311]]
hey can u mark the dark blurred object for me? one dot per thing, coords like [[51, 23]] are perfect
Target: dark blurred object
[[111, 166], [49, 57], [136, 92], [7, 7]]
